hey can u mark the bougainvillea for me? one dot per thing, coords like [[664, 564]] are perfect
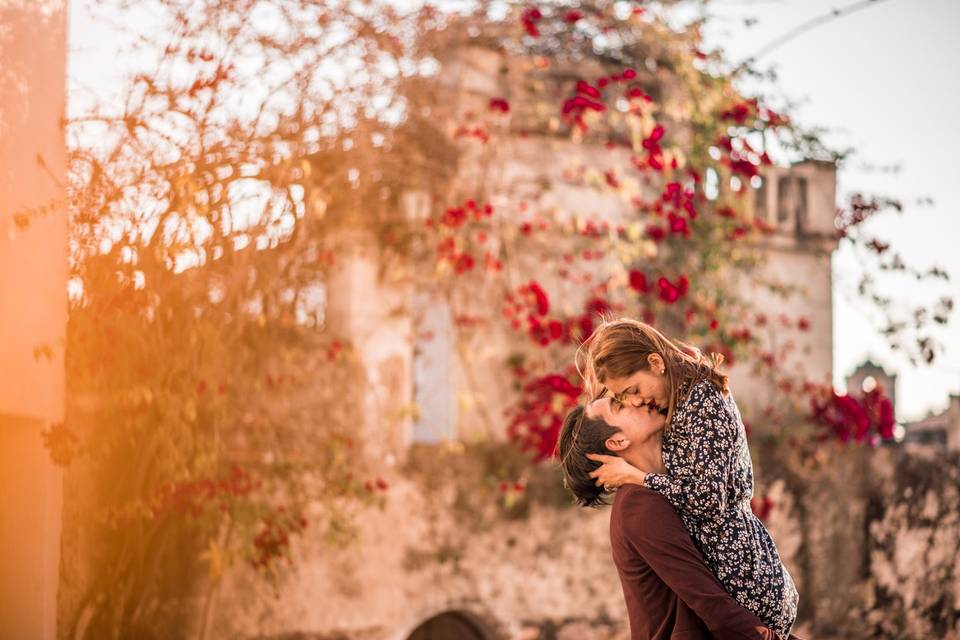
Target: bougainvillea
[[536, 419]]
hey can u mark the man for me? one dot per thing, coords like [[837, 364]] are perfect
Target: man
[[669, 591]]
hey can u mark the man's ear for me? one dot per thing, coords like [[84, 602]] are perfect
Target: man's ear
[[617, 442]]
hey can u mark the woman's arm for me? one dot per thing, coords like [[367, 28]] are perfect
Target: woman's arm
[[701, 464]]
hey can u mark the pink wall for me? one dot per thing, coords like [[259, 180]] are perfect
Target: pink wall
[[33, 310]]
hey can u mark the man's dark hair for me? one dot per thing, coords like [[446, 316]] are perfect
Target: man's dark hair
[[582, 435]]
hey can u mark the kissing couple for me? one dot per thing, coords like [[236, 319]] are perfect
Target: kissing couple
[[662, 432]]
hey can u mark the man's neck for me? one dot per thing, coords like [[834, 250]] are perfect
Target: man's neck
[[645, 455]]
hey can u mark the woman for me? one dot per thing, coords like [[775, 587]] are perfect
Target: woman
[[709, 473]]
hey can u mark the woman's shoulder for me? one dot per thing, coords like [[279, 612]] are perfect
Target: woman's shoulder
[[704, 399], [700, 392]]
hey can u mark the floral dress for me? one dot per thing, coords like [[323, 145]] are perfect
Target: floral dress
[[709, 481]]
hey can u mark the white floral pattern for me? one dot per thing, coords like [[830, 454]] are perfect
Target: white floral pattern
[[709, 481]]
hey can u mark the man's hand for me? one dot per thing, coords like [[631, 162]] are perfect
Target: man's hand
[[615, 471]]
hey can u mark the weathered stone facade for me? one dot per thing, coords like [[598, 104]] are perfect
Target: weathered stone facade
[[871, 537]]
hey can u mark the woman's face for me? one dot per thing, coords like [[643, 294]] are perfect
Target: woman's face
[[641, 388]]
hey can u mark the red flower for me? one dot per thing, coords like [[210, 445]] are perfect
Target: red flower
[[499, 104], [572, 16], [454, 217], [587, 89], [464, 263], [556, 329], [540, 297], [738, 112], [535, 421], [655, 233], [671, 292], [530, 17], [762, 507], [637, 92], [638, 281], [678, 225]]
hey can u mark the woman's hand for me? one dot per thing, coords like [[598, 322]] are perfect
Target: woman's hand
[[615, 471]]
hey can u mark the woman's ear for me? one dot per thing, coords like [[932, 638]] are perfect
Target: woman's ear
[[617, 442], [656, 362]]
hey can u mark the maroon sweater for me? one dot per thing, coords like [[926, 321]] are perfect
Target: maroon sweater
[[669, 591]]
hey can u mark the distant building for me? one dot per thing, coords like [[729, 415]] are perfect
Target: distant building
[[868, 376], [938, 431], [941, 430]]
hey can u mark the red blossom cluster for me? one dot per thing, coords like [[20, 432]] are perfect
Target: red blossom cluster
[[750, 110], [668, 291], [536, 420], [272, 542], [586, 99], [379, 484], [529, 18], [844, 417], [455, 217], [674, 202], [528, 307], [193, 496], [449, 250], [654, 158], [477, 132], [527, 310], [499, 104], [595, 307], [762, 507], [672, 291], [741, 157]]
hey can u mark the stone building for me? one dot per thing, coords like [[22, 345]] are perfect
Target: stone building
[[426, 566], [936, 431]]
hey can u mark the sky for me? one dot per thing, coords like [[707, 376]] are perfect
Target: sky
[[885, 80]]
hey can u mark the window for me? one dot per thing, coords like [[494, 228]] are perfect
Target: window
[[434, 388]]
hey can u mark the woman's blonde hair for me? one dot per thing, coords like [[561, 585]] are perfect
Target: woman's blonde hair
[[621, 347]]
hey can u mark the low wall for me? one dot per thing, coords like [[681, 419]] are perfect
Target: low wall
[[871, 537]]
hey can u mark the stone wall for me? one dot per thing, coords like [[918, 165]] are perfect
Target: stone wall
[[870, 537]]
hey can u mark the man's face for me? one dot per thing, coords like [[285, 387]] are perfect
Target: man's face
[[635, 423]]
